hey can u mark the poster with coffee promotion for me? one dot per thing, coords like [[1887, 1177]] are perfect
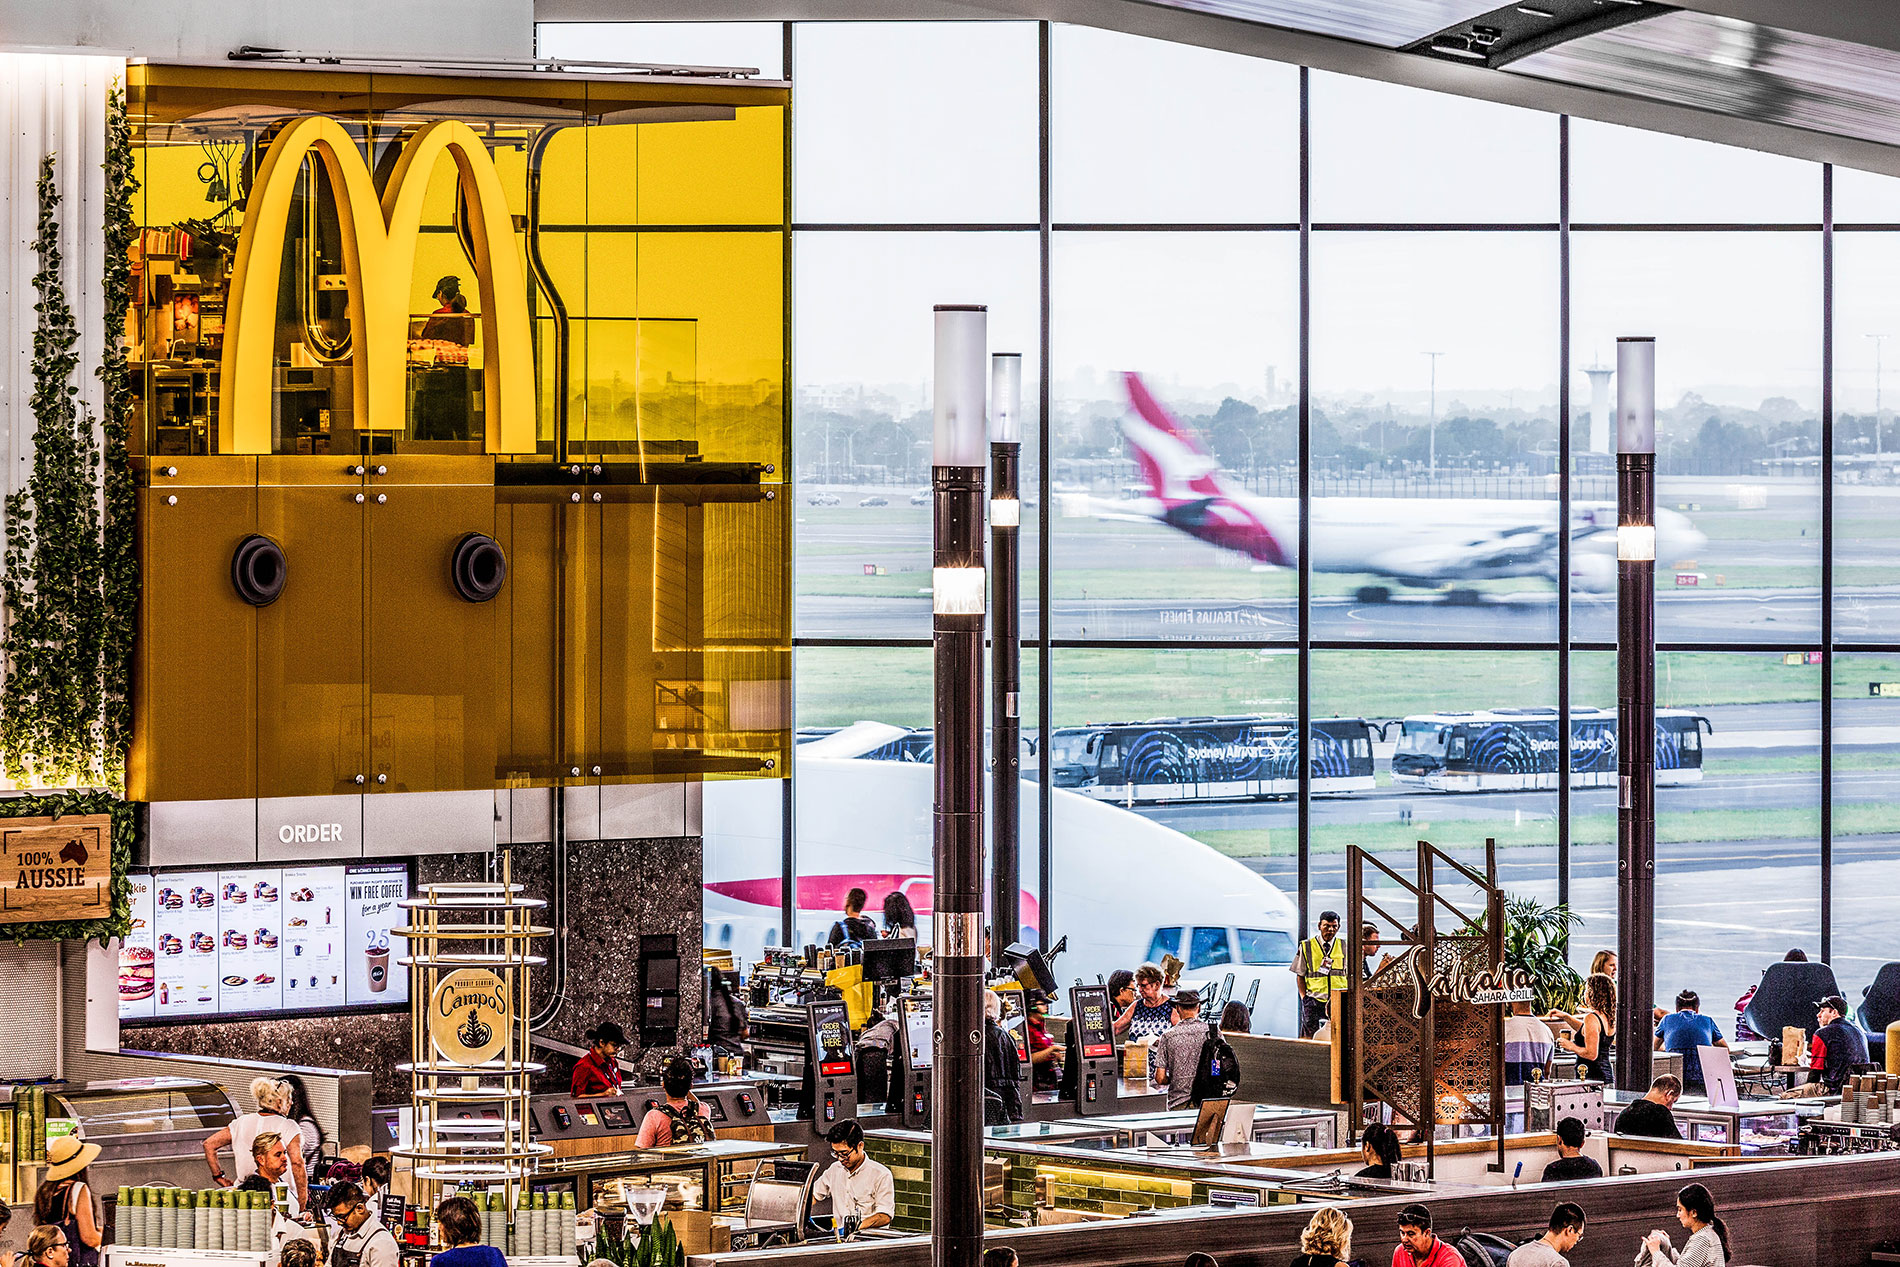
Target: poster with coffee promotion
[[263, 940], [371, 973]]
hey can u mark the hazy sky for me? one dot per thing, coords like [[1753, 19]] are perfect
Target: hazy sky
[[888, 130]]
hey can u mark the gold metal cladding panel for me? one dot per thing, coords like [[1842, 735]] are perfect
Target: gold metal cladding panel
[[642, 566], [527, 677], [431, 652], [312, 729], [194, 675]]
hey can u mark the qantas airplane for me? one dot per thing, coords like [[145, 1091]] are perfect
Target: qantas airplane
[[1127, 889], [1426, 543]]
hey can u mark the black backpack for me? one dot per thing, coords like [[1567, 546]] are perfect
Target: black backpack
[[1482, 1249], [1216, 1072]]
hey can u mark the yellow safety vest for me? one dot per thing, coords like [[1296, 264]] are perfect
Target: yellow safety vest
[[1318, 982]]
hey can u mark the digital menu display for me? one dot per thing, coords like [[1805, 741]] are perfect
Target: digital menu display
[[262, 939], [918, 1039], [831, 1039], [1096, 1033]]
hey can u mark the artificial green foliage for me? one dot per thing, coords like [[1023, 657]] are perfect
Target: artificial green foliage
[[660, 1247], [124, 830], [119, 565], [52, 716], [1537, 941]]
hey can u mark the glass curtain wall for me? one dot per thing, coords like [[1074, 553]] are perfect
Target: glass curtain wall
[[1252, 298]]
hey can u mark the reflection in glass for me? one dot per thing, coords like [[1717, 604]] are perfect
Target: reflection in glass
[[1866, 808], [1149, 131], [1174, 433], [862, 412], [932, 151], [1737, 322], [1434, 436], [1866, 441]]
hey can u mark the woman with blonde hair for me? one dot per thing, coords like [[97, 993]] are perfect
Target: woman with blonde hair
[[1327, 1240], [1594, 1042], [273, 1109]]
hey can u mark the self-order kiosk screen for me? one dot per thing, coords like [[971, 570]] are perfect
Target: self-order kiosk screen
[[831, 1039]]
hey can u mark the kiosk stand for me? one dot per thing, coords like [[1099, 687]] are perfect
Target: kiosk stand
[[914, 1046], [834, 1077], [1098, 1072]]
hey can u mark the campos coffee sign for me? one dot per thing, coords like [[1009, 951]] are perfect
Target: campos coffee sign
[[469, 1016], [55, 869]]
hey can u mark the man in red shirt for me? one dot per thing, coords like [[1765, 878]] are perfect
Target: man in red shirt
[[598, 1072], [1418, 1247]]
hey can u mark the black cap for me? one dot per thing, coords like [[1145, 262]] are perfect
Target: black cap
[[607, 1032], [1416, 1215], [1834, 1001]]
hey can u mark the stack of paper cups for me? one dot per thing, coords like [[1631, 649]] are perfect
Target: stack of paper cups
[[201, 1216], [569, 1217]]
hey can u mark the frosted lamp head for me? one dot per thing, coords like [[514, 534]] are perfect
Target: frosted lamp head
[[1006, 512], [1006, 398], [961, 433], [1636, 543], [956, 591], [1636, 395]]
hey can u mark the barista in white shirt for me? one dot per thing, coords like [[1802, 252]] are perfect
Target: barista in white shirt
[[856, 1184]]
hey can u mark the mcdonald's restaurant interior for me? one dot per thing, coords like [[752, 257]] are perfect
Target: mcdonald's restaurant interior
[[1015, 632]]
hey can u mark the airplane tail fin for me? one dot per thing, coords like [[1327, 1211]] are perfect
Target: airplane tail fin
[[1171, 459]]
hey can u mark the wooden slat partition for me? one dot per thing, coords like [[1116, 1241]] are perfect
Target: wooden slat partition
[[1819, 1212]]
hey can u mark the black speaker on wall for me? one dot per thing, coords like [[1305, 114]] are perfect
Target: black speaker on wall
[[477, 567], [259, 570]]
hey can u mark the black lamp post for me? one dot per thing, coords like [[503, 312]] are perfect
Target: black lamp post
[[957, 585], [1635, 707], [1006, 653]]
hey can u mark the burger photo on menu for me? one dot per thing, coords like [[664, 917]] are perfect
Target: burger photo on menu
[[234, 894], [264, 891], [135, 974], [234, 940], [203, 943], [170, 899], [265, 939], [168, 944], [201, 896]]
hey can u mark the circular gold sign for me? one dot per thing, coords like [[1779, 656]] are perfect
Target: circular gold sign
[[469, 1016]]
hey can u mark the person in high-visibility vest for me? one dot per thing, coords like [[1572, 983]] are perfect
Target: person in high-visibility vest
[[1318, 970]]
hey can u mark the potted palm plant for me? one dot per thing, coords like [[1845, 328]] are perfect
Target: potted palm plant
[[1537, 942]]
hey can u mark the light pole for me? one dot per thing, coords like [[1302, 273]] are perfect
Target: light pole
[[1433, 466], [957, 602], [1635, 704], [1006, 651], [1879, 343]]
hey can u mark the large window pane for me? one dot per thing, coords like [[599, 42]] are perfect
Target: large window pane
[[1146, 131], [1737, 323], [1185, 822], [1628, 176], [757, 45], [1434, 437], [1738, 816], [1180, 521], [1866, 817], [933, 148], [1390, 154], [863, 339], [1866, 441], [1865, 197]]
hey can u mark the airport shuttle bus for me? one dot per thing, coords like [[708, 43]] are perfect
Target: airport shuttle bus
[[1209, 759], [1515, 749]]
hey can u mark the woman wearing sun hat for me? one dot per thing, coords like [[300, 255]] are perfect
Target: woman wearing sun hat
[[65, 1199]]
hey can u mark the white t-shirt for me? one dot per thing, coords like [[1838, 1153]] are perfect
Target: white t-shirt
[[865, 1191], [244, 1132]]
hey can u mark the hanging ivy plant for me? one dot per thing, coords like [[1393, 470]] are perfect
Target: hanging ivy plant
[[50, 727], [119, 564]]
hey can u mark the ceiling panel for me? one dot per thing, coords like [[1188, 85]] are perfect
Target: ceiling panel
[[1390, 23]]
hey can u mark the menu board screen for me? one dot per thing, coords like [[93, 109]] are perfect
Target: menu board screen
[[262, 939], [1089, 1005]]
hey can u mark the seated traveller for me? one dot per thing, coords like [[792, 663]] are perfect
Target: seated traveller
[[1652, 1115], [1683, 1031], [1571, 1163]]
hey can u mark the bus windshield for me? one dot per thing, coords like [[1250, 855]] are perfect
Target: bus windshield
[[1423, 738]]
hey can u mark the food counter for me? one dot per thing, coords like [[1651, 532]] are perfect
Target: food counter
[[149, 1131], [1756, 1126], [712, 1177]]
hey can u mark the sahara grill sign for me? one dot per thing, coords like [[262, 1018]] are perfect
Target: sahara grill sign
[[55, 868], [1465, 982], [470, 1016], [380, 237]]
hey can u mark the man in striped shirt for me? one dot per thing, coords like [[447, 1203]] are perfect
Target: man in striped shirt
[[1528, 1043]]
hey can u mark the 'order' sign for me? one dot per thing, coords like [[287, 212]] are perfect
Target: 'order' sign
[[55, 869]]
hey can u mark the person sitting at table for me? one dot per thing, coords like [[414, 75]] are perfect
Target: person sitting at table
[[682, 1118], [1652, 1115], [1326, 1241], [1571, 1163], [1683, 1031], [1834, 1051], [1548, 1250], [1380, 1148]]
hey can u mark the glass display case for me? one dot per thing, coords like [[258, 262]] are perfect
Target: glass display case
[[149, 1130]]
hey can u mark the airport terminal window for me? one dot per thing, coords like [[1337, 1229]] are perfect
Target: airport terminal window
[[1683, 181], [1209, 948], [1144, 710], [933, 151], [1389, 154], [1146, 131], [1738, 396]]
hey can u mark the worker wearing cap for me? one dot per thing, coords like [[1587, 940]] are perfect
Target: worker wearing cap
[[1319, 969], [1838, 1045]]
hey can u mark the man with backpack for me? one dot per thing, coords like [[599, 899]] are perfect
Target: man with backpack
[[1192, 1060], [854, 929], [681, 1118]]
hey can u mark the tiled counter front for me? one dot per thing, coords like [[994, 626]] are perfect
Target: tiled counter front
[[1113, 1187]]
